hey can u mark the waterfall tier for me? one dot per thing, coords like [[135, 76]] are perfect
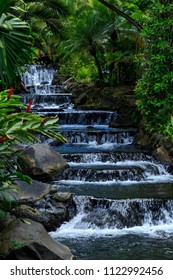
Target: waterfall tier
[[46, 98]]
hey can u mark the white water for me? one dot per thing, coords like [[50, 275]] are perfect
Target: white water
[[141, 164], [153, 173], [156, 179], [71, 230], [79, 227], [36, 75], [38, 80]]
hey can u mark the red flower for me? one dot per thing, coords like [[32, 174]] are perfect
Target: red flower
[[29, 106], [2, 139], [10, 93]]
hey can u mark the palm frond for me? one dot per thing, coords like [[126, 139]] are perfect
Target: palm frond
[[15, 47]]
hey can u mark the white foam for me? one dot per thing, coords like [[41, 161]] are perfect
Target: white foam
[[76, 228]]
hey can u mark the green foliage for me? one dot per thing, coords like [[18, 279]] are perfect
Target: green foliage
[[81, 68], [84, 34], [155, 89], [15, 45], [96, 36], [18, 127], [45, 19]]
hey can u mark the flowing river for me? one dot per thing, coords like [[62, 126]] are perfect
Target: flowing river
[[123, 195]]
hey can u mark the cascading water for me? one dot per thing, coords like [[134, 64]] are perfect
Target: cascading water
[[37, 75], [45, 96], [123, 195], [103, 216]]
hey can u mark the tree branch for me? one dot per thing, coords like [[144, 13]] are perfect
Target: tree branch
[[122, 14]]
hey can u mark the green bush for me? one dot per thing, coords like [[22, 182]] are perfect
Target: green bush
[[155, 89]]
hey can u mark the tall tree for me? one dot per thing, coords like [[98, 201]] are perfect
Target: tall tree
[[85, 34]]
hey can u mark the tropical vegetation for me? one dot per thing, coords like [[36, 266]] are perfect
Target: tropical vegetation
[[15, 45], [155, 89]]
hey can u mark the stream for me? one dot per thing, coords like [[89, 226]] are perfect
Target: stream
[[123, 194]]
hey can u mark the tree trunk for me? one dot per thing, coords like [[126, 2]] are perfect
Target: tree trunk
[[100, 73], [122, 14], [93, 52]]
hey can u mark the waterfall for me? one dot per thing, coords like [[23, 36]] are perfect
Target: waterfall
[[123, 194], [45, 96], [36, 75], [103, 217]]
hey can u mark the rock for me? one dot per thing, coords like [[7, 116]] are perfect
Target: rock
[[81, 99], [55, 212], [31, 193], [62, 197], [5, 220], [37, 202], [30, 241], [48, 220], [143, 138], [43, 163], [162, 154], [41, 202], [163, 148]]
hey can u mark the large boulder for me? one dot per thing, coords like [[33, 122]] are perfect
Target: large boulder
[[30, 241], [43, 163]]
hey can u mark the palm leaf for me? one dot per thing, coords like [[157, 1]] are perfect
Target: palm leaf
[[15, 47]]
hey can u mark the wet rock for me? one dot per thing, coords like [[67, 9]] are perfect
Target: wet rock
[[31, 193], [48, 220], [30, 241], [55, 212], [161, 153], [43, 163], [42, 203], [62, 197]]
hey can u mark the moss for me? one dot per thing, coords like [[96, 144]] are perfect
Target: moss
[[15, 244]]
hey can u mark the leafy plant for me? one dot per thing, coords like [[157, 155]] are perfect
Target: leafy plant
[[45, 19], [154, 90], [15, 45]]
